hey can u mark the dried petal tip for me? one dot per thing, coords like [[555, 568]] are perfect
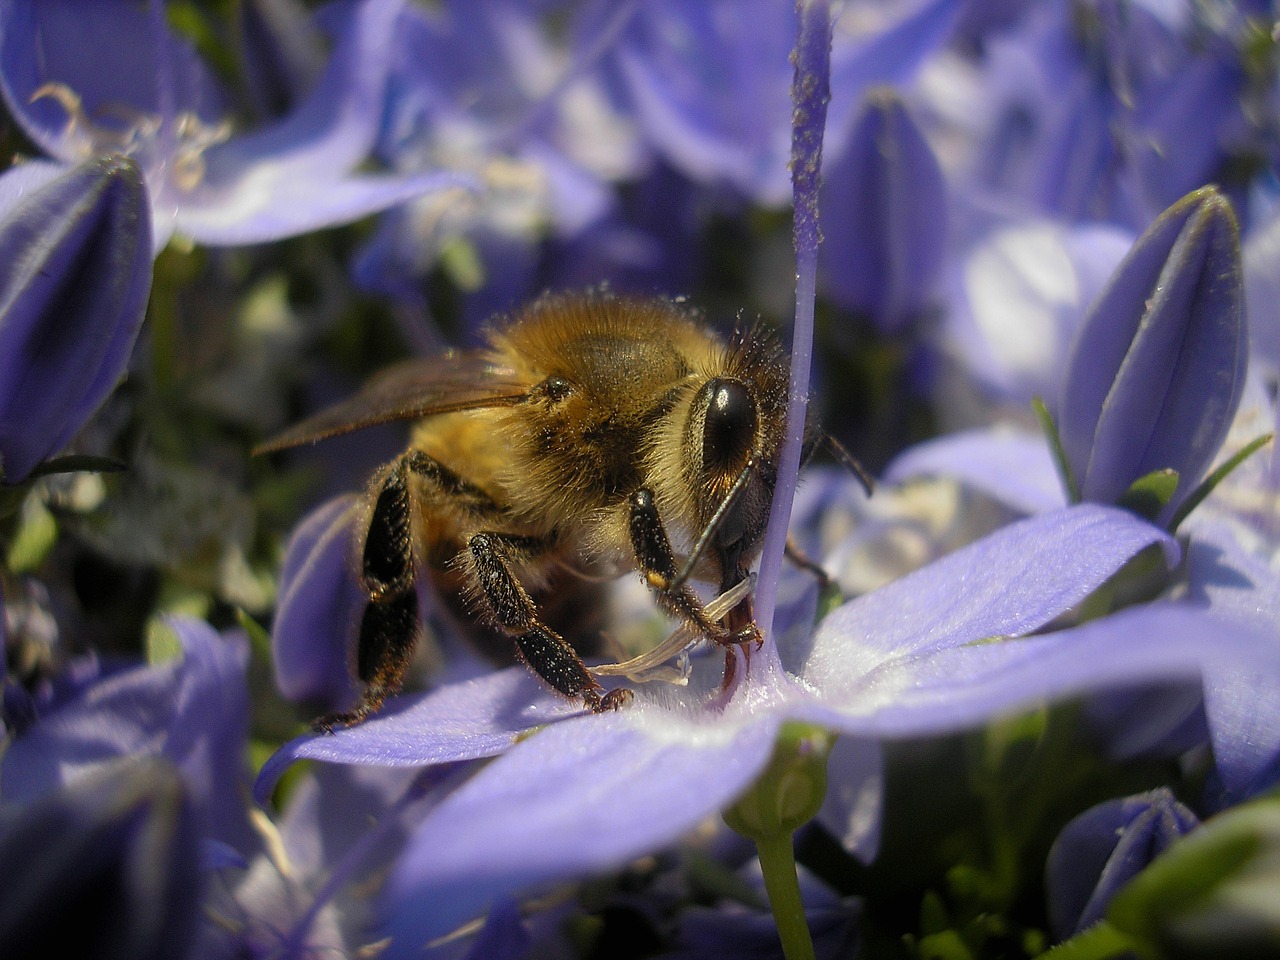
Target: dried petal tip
[[75, 273], [1158, 368]]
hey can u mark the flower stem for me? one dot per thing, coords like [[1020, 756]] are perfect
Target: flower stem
[[778, 863]]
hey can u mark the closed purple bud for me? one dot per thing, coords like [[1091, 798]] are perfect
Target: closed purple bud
[[1101, 850], [884, 218], [108, 867], [1158, 367], [75, 273], [320, 607]]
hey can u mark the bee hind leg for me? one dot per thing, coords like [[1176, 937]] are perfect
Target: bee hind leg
[[389, 626], [543, 650]]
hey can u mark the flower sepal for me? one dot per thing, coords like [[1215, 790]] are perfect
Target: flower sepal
[[790, 791], [1150, 494]]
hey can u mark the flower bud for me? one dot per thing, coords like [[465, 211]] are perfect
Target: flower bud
[[76, 256], [884, 216], [790, 791], [1101, 850], [1158, 367]]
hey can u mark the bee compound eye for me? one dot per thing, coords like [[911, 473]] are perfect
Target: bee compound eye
[[729, 425]]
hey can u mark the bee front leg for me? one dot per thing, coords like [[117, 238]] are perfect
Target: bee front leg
[[657, 564], [543, 650]]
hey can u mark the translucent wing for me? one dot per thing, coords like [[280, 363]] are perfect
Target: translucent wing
[[409, 391]]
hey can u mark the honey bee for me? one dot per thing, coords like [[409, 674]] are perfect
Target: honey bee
[[595, 434]]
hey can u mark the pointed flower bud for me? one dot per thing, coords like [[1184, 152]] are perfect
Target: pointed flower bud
[[884, 216], [75, 272], [1158, 367], [1213, 894], [109, 867], [1104, 848]]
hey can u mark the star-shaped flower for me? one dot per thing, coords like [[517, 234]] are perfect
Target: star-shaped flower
[[109, 77]]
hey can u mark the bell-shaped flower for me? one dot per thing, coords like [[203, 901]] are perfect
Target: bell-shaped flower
[[82, 79], [192, 710], [108, 867], [307, 893], [884, 221], [1101, 850], [76, 248], [1157, 370]]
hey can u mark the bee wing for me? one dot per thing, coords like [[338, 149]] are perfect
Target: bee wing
[[410, 391]]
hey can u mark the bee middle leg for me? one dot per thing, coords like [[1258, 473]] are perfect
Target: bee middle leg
[[543, 650]]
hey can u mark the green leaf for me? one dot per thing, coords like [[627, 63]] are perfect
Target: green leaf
[[36, 533], [162, 643], [1208, 484], [1150, 494], [259, 638], [1055, 447], [78, 463]]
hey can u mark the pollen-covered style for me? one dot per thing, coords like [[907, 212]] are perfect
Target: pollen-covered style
[[596, 434]]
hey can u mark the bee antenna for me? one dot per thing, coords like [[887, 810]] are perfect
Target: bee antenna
[[849, 461], [713, 525]]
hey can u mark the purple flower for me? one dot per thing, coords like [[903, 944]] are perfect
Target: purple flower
[[109, 867], [191, 710], [307, 893], [920, 656], [1242, 705], [76, 248], [83, 79], [707, 81], [1015, 299], [1110, 110], [884, 216], [478, 86], [1104, 848], [1157, 370]]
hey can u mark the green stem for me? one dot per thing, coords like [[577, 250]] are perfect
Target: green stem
[[778, 863]]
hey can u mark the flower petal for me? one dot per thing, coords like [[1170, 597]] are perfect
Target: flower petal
[[1009, 583], [963, 686], [1009, 465], [884, 216], [319, 609], [580, 797], [273, 199], [476, 718]]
